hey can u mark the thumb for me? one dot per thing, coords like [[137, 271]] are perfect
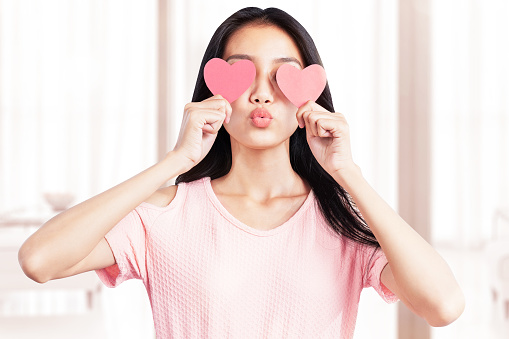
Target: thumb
[[208, 128]]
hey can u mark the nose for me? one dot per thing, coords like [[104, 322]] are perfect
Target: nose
[[263, 92]]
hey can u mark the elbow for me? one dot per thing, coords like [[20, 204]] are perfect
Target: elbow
[[449, 310], [31, 265]]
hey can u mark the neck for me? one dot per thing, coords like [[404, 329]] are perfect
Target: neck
[[263, 174]]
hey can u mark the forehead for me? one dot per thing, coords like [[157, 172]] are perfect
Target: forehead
[[262, 42]]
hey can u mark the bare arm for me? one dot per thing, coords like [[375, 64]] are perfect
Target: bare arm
[[416, 273], [73, 241], [58, 248]]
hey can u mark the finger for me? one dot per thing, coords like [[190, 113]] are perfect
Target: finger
[[211, 128], [310, 120], [212, 118], [217, 102], [312, 117], [324, 128], [308, 106], [332, 127], [227, 105], [300, 112], [229, 111]]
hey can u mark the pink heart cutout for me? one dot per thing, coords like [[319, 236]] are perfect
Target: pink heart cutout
[[299, 86], [230, 81]]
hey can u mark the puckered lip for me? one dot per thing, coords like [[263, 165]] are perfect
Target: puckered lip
[[260, 113]]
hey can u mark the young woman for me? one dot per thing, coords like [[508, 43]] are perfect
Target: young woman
[[266, 232]]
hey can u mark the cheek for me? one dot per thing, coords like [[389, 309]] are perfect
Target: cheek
[[237, 109], [234, 126], [227, 126], [235, 120], [292, 116]]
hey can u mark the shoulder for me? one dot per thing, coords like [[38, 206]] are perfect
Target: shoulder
[[163, 196]]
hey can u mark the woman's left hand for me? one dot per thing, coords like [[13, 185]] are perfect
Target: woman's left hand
[[328, 136]]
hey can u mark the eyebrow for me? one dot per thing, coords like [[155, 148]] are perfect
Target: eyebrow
[[275, 61]]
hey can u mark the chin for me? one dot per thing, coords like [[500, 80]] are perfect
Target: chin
[[262, 144]]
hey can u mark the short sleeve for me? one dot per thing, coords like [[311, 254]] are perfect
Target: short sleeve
[[127, 242], [375, 266]]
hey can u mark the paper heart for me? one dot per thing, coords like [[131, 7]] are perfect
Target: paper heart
[[299, 86], [230, 81]]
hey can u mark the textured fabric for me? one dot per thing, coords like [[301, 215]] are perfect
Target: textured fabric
[[209, 275]]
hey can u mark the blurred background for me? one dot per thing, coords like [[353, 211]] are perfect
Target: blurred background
[[92, 93]]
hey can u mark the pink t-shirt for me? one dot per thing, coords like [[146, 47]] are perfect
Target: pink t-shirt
[[209, 275]]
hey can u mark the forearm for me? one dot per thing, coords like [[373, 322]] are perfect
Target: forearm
[[422, 276], [67, 238]]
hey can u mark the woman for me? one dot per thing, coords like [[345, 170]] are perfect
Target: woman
[[259, 237]]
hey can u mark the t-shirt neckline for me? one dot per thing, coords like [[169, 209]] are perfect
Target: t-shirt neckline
[[286, 225]]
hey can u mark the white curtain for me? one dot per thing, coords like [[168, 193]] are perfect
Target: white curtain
[[470, 98], [77, 96], [78, 113]]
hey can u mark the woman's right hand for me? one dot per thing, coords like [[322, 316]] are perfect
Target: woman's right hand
[[79, 231], [200, 124]]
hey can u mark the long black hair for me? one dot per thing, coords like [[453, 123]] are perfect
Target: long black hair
[[335, 203]]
